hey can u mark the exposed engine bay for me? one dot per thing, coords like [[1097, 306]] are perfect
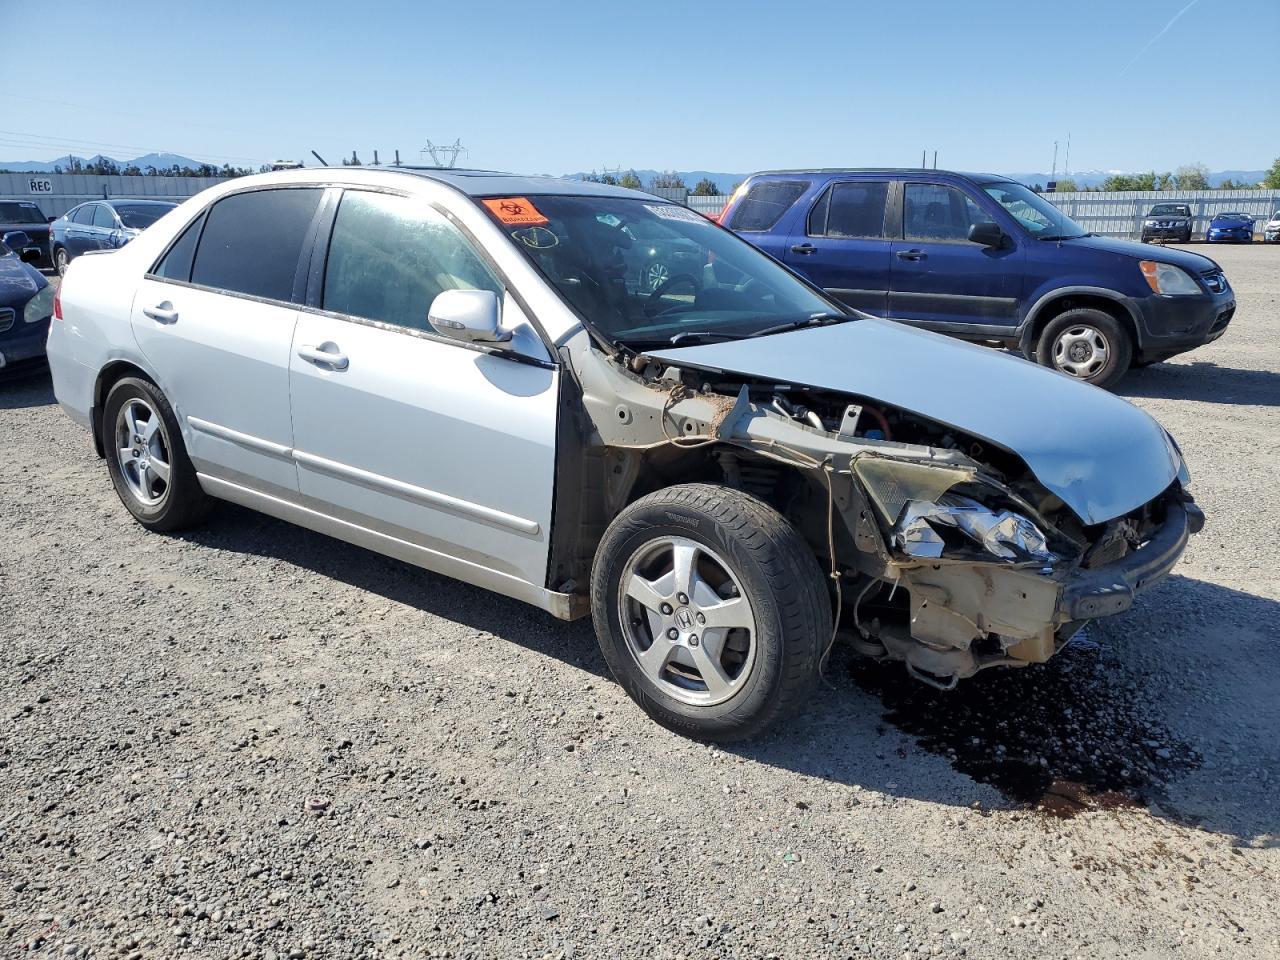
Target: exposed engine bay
[[944, 549]]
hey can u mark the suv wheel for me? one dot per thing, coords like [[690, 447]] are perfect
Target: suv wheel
[[146, 458], [1087, 344], [710, 609]]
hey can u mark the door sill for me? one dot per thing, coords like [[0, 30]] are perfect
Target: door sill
[[565, 606]]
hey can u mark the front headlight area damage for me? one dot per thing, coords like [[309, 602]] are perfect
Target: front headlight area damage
[[975, 570], [944, 552]]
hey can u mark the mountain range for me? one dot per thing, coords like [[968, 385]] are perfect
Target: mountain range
[[161, 161]]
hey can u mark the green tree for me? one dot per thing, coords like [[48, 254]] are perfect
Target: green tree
[[609, 179], [667, 180], [705, 188], [630, 181], [1066, 185], [1229, 184], [1272, 180], [1192, 176], [1165, 181], [1130, 181]]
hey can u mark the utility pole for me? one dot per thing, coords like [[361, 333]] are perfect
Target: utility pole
[[1054, 174], [935, 159], [923, 154], [376, 161], [1066, 163], [397, 158], [442, 156]]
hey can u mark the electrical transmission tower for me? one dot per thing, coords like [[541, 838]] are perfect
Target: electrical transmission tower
[[442, 156]]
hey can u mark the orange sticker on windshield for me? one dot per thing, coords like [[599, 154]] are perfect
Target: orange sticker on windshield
[[516, 211]]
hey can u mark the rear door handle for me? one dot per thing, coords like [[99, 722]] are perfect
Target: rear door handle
[[804, 248], [911, 255], [162, 312], [325, 355]]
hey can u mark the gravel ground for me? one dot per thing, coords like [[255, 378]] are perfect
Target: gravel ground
[[253, 741]]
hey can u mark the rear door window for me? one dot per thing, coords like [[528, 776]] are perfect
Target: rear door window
[[850, 211], [390, 257], [251, 242], [765, 203]]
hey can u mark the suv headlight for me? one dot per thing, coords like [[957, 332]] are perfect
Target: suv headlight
[[1168, 280], [1151, 223], [39, 307]]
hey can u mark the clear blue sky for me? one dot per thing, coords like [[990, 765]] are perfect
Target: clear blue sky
[[556, 87]]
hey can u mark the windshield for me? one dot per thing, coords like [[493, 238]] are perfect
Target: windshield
[[11, 212], [139, 216], [1233, 216], [1170, 210], [644, 272], [1036, 215]]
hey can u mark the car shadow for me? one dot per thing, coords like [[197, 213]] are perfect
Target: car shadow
[[26, 388], [1078, 733], [1205, 381]]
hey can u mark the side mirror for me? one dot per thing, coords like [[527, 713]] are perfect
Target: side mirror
[[50, 219], [472, 316], [987, 233]]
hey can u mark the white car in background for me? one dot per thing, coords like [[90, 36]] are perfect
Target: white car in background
[[1271, 232], [727, 469]]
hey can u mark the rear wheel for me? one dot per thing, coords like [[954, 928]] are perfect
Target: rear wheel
[[710, 610], [146, 458], [1086, 344], [61, 261]]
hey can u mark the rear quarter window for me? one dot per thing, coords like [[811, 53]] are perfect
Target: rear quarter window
[[765, 203]]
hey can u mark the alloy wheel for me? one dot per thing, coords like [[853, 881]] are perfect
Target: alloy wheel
[[142, 452], [686, 621]]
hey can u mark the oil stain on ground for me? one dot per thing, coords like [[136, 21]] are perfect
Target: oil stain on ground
[[1065, 736]]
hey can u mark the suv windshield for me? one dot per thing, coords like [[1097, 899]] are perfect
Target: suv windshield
[[1170, 210], [139, 216], [642, 273], [1036, 215]]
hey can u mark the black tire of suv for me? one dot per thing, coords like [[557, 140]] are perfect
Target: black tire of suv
[[184, 503], [781, 579], [1119, 344]]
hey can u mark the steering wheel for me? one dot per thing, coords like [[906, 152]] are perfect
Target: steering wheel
[[651, 302]]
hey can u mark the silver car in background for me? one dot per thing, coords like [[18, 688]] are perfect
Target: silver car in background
[[727, 470]]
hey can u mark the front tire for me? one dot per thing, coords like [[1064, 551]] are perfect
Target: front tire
[[1086, 344], [710, 610], [147, 460]]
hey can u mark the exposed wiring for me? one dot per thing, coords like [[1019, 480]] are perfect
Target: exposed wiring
[[835, 572]]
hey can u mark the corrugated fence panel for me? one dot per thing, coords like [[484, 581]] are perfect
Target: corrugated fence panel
[[70, 189]]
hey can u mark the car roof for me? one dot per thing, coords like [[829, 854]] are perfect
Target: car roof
[[827, 171], [473, 183], [158, 201]]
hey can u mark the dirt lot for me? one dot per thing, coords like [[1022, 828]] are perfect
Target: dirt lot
[[252, 741]]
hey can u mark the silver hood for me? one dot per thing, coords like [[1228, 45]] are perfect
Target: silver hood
[[1102, 455]]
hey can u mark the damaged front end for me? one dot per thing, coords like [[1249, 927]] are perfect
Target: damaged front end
[[945, 549]]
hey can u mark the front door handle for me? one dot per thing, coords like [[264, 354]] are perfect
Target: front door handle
[[804, 248], [162, 312], [911, 254], [326, 355]]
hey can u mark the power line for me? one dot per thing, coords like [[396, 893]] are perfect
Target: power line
[[37, 141]]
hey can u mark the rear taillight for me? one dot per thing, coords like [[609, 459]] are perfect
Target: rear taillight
[[57, 305]]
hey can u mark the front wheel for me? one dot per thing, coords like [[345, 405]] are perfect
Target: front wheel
[[1086, 344], [710, 610]]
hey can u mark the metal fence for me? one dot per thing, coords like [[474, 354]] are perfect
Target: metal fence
[[56, 193], [1121, 214]]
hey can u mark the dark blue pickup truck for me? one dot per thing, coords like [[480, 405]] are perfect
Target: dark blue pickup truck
[[983, 258]]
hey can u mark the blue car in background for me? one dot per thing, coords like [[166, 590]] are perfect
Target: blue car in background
[[26, 304], [1230, 227], [983, 258], [101, 225]]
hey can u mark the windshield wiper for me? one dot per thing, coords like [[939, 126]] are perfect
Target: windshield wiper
[[703, 335], [817, 320], [1065, 236]]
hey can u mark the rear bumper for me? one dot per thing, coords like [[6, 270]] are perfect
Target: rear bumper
[[1109, 590]]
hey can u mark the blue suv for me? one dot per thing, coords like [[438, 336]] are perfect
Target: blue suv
[[983, 258]]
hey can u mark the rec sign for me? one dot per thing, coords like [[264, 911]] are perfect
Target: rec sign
[[39, 185]]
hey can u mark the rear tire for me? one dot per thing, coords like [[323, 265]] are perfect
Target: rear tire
[[147, 460], [1086, 344], [61, 261], [678, 561]]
